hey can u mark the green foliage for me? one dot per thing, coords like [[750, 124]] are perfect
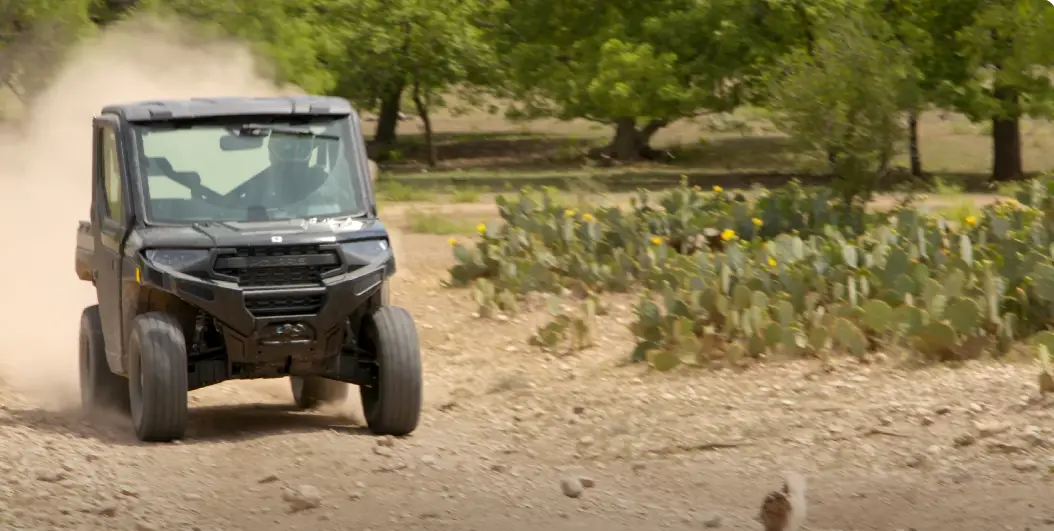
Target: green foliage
[[34, 38], [433, 45], [294, 35], [1046, 362], [464, 194], [573, 327], [438, 223], [836, 73], [717, 279], [396, 191], [820, 100], [1004, 54], [627, 63]]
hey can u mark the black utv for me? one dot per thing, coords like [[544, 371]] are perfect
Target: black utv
[[238, 238]]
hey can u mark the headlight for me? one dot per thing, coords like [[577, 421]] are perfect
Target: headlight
[[365, 252], [180, 260]]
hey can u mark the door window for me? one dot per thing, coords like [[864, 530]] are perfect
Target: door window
[[111, 173]]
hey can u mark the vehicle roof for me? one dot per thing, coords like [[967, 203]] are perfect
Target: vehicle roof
[[230, 106]]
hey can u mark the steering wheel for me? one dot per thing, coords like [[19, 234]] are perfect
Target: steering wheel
[[310, 181]]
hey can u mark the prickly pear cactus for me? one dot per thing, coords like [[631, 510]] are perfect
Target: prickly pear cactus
[[795, 271], [878, 316]]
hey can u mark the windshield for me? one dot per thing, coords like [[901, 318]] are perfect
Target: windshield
[[250, 170]]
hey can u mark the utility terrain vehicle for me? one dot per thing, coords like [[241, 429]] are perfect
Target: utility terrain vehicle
[[238, 238]]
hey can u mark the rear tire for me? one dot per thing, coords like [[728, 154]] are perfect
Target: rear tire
[[309, 392], [392, 406], [101, 389], [157, 372]]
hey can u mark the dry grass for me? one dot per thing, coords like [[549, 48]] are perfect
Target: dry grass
[[477, 143]]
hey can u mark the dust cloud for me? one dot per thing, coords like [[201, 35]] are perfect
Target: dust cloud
[[45, 170]]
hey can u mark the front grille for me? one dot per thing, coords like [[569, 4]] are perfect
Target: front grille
[[284, 305], [279, 267], [286, 276], [262, 267]]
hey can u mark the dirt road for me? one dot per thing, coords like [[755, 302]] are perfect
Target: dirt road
[[505, 425]]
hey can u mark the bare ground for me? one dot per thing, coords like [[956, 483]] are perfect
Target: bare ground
[[883, 448]]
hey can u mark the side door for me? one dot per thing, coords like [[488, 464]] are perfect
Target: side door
[[109, 217]]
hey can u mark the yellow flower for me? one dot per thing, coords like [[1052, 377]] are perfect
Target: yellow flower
[[718, 189], [481, 228], [728, 234], [569, 213], [757, 222], [587, 217], [452, 241], [655, 240], [971, 220], [772, 262]]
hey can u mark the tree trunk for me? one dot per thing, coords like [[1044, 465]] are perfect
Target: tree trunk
[[388, 119], [630, 143], [913, 143], [422, 110], [1006, 139], [625, 146]]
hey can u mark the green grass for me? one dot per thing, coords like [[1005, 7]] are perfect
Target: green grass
[[465, 194], [1009, 189], [946, 186], [960, 211], [432, 223], [394, 191]]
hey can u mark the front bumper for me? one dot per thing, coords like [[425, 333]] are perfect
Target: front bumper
[[307, 339]]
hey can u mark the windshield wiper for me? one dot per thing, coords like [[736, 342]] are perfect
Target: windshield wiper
[[266, 129]]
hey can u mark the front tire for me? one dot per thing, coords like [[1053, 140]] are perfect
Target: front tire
[[158, 377], [309, 392], [101, 389], [392, 405]]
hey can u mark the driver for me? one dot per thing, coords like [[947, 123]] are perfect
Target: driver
[[293, 152], [289, 178]]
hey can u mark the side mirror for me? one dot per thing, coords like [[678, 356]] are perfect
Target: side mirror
[[374, 170]]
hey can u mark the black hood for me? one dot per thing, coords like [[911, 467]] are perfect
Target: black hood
[[240, 233]]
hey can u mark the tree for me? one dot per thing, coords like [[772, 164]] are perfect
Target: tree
[[1004, 65], [426, 46], [842, 95], [106, 12], [911, 23], [34, 38], [636, 66], [292, 34]]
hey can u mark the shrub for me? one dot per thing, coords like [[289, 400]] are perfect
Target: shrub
[[819, 98], [797, 271]]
